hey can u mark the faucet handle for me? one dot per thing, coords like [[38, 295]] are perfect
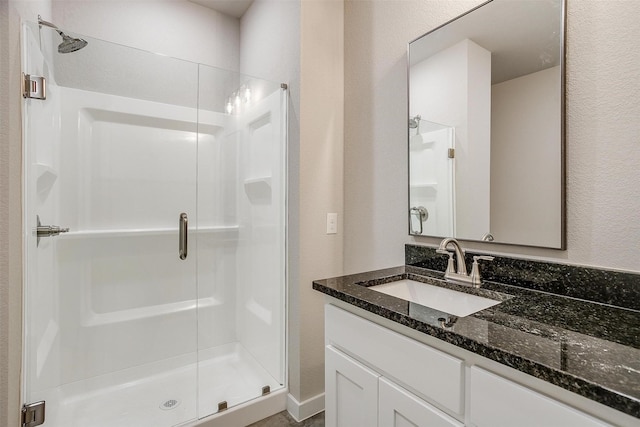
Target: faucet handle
[[450, 267], [475, 270], [482, 257]]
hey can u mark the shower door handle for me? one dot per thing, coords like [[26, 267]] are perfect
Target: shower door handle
[[182, 243]]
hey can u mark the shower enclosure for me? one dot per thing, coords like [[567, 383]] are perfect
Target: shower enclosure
[[164, 301], [431, 178]]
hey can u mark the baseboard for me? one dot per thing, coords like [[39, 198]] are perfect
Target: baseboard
[[248, 413], [303, 410]]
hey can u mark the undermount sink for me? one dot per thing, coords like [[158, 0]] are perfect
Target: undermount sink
[[459, 304]]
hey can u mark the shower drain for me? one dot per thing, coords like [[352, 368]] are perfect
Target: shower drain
[[169, 404]]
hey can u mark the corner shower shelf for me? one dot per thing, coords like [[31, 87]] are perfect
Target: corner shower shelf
[[424, 185], [258, 189], [46, 177], [87, 234], [424, 189]]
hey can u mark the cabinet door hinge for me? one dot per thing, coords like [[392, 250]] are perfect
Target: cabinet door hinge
[[33, 414], [34, 87], [451, 153]]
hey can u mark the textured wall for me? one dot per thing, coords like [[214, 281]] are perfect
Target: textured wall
[[603, 147], [321, 177]]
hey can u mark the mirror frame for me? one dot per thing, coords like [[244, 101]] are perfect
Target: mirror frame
[[563, 159]]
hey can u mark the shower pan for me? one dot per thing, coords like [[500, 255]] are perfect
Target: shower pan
[[154, 236]]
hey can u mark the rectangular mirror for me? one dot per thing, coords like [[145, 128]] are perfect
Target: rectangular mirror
[[486, 126]]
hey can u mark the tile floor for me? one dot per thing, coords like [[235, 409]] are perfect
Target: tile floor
[[283, 419]]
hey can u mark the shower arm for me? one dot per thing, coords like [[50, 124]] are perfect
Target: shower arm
[[42, 22]]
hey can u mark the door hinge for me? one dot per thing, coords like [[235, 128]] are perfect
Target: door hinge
[[33, 414], [34, 87], [451, 153]]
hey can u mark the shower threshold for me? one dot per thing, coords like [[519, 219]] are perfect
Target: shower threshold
[[161, 394]]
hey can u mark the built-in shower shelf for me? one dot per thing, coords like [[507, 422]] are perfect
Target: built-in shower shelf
[[424, 185], [47, 176], [265, 180], [84, 234], [258, 189], [424, 189]]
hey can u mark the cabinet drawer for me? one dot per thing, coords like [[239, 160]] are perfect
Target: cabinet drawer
[[435, 376], [497, 402]]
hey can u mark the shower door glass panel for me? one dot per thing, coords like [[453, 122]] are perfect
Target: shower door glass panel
[[110, 308], [431, 179], [241, 235]]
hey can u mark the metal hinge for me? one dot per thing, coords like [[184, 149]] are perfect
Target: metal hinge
[[33, 414], [451, 153], [266, 390], [34, 87]]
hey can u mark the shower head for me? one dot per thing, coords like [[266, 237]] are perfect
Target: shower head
[[69, 44], [414, 122]]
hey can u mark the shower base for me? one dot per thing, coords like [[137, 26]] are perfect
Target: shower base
[[165, 393]]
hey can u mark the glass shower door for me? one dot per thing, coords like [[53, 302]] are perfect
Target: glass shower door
[[111, 303], [241, 238]]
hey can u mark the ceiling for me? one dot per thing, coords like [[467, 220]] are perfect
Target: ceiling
[[235, 8], [523, 36]]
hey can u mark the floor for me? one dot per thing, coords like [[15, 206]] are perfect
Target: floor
[[283, 419]]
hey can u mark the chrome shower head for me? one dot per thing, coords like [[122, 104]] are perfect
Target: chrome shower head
[[69, 44]]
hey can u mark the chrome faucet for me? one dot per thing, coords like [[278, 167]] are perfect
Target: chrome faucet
[[461, 266], [459, 272]]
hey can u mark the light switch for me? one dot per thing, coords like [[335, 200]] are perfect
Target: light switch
[[332, 223]]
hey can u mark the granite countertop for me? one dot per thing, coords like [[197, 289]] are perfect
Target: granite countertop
[[586, 347]]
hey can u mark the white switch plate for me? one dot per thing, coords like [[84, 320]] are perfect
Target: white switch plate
[[332, 223]]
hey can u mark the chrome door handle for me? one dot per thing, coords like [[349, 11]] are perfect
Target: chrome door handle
[[182, 241], [47, 230]]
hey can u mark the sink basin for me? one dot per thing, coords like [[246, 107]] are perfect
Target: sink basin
[[449, 301]]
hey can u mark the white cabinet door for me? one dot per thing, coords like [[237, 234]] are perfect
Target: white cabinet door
[[399, 408], [351, 392], [498, 402]]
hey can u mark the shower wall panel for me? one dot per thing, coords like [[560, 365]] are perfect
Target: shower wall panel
[[261, 314], [129, 170]]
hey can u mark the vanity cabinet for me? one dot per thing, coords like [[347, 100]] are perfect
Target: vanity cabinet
[[377, 377], [498, 402]]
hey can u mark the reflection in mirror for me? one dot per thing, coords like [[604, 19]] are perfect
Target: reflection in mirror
[[486, 126]]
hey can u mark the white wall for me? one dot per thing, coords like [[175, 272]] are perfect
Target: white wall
[[180, 29], [525, 159], [603, 197]]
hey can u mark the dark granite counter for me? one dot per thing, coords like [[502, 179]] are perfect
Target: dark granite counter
[[585, 346]]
